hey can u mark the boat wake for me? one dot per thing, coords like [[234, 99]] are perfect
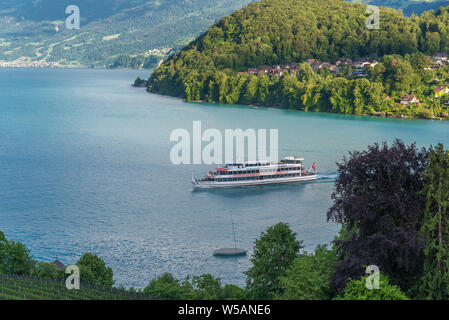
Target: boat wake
[[331, 177]]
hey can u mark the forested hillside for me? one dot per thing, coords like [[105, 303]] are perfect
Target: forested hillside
[[117, 33], [215, 66], [35, 30]]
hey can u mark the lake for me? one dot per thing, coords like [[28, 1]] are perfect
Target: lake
[[85, 165]]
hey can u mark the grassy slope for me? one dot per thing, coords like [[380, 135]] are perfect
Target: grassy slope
[[279, 31], [28, 288]]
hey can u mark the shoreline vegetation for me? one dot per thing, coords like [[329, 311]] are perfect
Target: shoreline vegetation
[[399, 225], [312, 59], [140, 83], [280, 107], [33, 65]]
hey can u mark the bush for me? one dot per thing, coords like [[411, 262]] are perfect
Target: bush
[[93, 270], [309, 276], [47, 270], [15, 258], [203, 287], [357, 290], [274, 252], [167, 287]]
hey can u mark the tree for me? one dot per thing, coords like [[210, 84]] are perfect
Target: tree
[[207, 287], [138, 82], [377, 197], [15, 258], [309, 276], [203, 287], [273, 254], [434, 284], [357, 290], [18, 259], [167, 287], [93, 270], [47, 270], [233, 292], [3, 252]]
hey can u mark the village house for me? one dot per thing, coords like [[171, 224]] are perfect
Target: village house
[[59, 265], [313, 62], [359, 63], [343, 61], [436, 61], [370, 64], [334, 69], [440, 91], [409, 99], [440, 56], [360, 66]]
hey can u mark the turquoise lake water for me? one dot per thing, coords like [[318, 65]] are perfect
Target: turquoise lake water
[[81, 150]]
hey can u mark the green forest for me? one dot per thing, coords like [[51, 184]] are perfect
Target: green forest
[[214, 67]]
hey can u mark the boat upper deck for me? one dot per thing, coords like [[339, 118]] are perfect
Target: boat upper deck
[[260, 167], [254, 165]]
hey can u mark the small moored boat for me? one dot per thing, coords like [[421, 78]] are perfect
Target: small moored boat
[[231, 252]]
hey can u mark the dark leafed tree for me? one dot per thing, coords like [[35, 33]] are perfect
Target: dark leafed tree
[[377, 199], [434, 283]]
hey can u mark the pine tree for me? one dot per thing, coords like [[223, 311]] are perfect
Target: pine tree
[[434, 283]]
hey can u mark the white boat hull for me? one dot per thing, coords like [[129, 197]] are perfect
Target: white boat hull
[[249, 183]]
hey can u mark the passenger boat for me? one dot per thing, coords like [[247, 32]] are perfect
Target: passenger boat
[[288, 170]]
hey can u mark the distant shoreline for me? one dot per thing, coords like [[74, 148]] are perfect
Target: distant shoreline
[[376, 115], [72, 68]]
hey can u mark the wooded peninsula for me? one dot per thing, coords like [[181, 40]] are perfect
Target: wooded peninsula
[[317, 55]]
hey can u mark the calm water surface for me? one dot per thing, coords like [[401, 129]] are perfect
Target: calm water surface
[[81, 150]]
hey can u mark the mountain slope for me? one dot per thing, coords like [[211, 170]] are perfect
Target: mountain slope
[[283, 31], [278, 36], [36, 30]]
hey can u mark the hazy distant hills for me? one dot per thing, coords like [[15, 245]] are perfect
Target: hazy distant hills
[[35, 29], [41, 10], [407, 6], [419, 7]]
